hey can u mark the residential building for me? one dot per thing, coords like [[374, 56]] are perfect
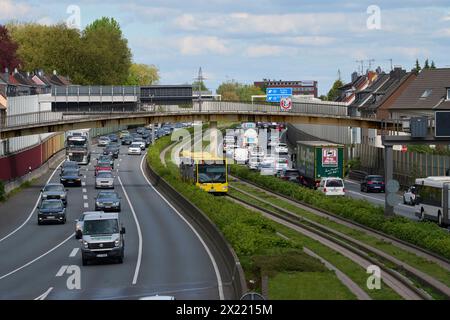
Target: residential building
[[298, 87]]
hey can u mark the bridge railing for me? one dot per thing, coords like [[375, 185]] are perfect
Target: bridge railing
[[32, 118]]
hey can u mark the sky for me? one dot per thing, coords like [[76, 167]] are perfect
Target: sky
[[248, 40]]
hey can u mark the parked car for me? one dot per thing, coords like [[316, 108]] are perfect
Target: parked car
[[103, 141], [372, 183], [69, 165], [70, 177], [332, 186], [135, 148], [107, 201], [54, 191], [281, 148], [409, 197], [106, 159], [289, 175], [104, 179], [51, 211]]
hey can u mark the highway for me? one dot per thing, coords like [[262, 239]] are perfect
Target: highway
[[163, 255]]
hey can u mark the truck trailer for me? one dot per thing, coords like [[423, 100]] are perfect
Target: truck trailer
[[319, 159]]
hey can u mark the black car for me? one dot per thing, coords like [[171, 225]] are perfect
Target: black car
[[107, 201], [70, 177], [112, 150], [113, 137], [105, 158], [372, 183], [127, 140], [69, 165], [51, 211]]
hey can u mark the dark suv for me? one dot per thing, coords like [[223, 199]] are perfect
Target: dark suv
[[372, 183]]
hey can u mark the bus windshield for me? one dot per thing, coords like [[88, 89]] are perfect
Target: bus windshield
[[213, 173]]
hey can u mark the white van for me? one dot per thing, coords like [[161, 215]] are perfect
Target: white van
[[332, 186]]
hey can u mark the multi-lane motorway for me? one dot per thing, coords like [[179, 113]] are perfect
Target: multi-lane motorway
[[163, 254]]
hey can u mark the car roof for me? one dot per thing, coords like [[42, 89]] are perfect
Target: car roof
[[100, 215], [54, 184], [51, 200], [107, 192]]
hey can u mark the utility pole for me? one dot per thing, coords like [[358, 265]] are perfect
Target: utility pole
[[362, 65], [339, 74]]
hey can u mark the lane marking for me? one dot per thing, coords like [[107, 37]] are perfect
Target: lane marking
[[34, 208], [44, 295], [86, 205], [84, 176], [61, 271], [84, 190], [36, 259], [83, 183], [211, 257], [139, 259], [364, 195], [74, 252], [85, 197], [120, 159]]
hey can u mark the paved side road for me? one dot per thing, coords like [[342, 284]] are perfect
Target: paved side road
[[166, 258]]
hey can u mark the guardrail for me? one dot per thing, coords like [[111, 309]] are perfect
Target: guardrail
[[229, 259]]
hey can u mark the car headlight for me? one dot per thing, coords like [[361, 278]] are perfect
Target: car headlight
[[78, 179], [63, 196], [44, 196], [85, 244], [116, 203], [63, 179], [98, 203], [117, 242]]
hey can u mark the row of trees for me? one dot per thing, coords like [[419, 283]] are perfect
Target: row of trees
[[99, 54], [425, 66], [235, 91]]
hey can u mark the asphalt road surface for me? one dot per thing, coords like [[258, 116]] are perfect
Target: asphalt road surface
[[162, 253]]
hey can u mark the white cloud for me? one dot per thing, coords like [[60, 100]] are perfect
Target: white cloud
[[186, 22], [192, 45], [10, 10], [265, 51], [310, 40]]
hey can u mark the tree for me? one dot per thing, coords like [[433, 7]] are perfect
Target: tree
[[417, 68], [8, 51], [228, 90], [333, 94], [142, 75], [323, 98], [433, 66], [427, 65], [197, 84], [246, 91]]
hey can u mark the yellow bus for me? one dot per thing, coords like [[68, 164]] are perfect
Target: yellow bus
[[208, 172]]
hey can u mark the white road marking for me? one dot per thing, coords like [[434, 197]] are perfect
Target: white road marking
[[61, 271], [83, 183], [120, 159], [87, 169], [211, 257], [364, 195], [74, 252], [351, 181], [36, 259], [138, 263], [86, 205], [85, 197], [84, 190], [44, 295], [84, 176], [34, 208], [118, 165]]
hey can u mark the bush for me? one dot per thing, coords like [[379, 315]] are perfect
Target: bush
[[2, 191], [423, 234]]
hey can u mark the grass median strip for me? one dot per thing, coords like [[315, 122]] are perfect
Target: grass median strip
[[252, 235]]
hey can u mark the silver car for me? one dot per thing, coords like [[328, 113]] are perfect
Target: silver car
[[104, 179]]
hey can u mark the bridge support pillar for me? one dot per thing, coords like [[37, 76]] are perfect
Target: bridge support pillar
[[389, 187], [214, 137]]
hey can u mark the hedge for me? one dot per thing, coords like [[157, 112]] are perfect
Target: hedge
[[2, 191], [427, 235]]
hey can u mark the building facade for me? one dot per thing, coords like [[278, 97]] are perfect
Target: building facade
[[298, 87]]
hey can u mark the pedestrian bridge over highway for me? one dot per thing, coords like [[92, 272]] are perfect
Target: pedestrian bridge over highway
[[307, 113]]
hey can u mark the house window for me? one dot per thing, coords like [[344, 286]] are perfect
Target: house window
[[448, 93], [426, 93]]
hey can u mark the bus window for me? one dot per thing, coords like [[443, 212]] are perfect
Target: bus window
[[212, 174], [430, 195]]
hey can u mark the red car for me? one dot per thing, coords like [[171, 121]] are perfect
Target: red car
[[102, 167]]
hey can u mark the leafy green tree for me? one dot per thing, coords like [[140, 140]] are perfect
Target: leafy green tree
[[197, 84], [228, 90], [105, 53], [417, 67], [245, 92], [142, 74], [333, 94]]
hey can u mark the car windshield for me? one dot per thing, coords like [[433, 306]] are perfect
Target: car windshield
[[70, 172], [376, 179], [67, 165], [104, 158], [105, 163], [135, 145], [104, 175], [51, 205], [98, 227], [211, 173], [54, 188], [107, 195], [335, 183]]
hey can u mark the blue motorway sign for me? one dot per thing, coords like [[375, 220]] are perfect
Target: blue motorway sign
[[275, 94]]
